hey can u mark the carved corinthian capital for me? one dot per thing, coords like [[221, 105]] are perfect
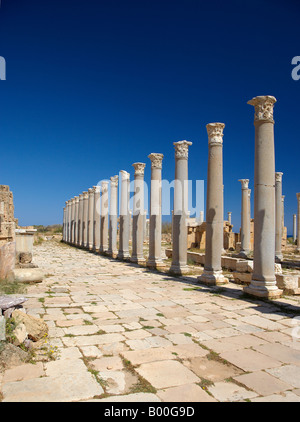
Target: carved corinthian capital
[[244, 183], [215, 133], [263, 106], [182, 149], [139, 169], [114, 181], [278, 176], [156, 160]]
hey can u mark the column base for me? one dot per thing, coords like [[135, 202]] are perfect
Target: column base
[[113, 254], [123, 256], [278, 258], [156, 265], [212, 278], [139, 261], [178, 269], [263, 291]]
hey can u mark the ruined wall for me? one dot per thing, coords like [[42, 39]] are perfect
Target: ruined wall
[[7, 231]]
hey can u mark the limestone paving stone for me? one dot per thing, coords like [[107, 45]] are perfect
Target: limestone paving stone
[[167, 373]]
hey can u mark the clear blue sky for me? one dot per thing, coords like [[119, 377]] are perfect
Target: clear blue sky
[[94, 86]]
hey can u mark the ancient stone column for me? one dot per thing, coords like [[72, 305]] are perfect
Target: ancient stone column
[[154, 258], [137, 255], [283, 196], [298, 223], [229, 216], [249, 203], [90, 218], [76, 220], [69, 216], [65, 222], [263, 283], [113, 217], [201, 217], [104, 217], [179, 236], [96, 219], [245, 221], [73, 221], [212, 273], [85, 220], [80, 220], [123, 252], [278, 215], [294, 227]]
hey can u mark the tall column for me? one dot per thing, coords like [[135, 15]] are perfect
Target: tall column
[[96, 219], [245, 221], [104, 217], [75, 241], [283, 196], [201, 217], [212, 273], [278, 215], [65, 222], [80, 220], [298, 223], [229, 216], [249, 204], [154, 258], [138, 215], [90, 218], [123, 252], [263, 283], [85, 220], [113, 217], [294, 227], [72, 221], [69, 221], [179, 236]]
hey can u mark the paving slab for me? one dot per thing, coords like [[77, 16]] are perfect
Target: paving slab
[[167, 373]]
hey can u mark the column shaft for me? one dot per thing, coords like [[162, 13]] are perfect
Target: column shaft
[[154, 259], [104, 217], [96, 219], [90, 232], [263, 283], [245, 220], [113, 217], [278, 216], [123, 252], [212, 273], [179, 236], [138, 215]]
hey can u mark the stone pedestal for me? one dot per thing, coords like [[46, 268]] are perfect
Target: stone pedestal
[[212, 273], [278, 216], [104, 218], [245, 220], [154, 258], [263, 282], [96, 218], [123, 252], [113, 217], [179, 235], [90, 218], [137, 255]]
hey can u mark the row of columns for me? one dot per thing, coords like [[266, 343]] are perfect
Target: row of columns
[[89, 222], [263, 281]]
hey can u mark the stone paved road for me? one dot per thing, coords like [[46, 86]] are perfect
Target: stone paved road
[[126, 334]]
